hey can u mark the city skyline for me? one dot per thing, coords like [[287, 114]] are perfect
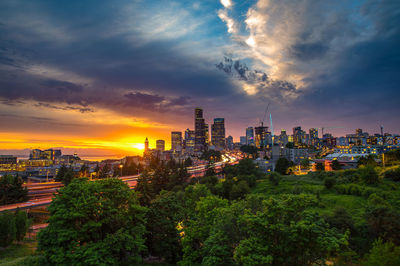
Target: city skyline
[[100, 77]]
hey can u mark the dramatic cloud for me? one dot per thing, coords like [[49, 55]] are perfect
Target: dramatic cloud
[[147, 65]]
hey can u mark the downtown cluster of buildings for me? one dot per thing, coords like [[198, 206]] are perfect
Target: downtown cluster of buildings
[[193, 142]]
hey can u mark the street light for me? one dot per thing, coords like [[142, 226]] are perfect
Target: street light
[[120, 166]]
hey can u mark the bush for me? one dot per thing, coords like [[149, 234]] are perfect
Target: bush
[[21, 224], [274, 178], [383, 254], [329, 182], [369, 175]]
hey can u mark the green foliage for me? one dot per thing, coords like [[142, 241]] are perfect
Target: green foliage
[[279, 230], [383, 222], [239, 190], [282, 165], [393, 174], [274, 178], [341, 220], [92, 223], [21, 224], [329, 182], [369, 175], [65, 175], [392, 157], [385, 254], [368, 161], [305, 164], [7, 229], [11, 190], [250, 150], [163, 237]]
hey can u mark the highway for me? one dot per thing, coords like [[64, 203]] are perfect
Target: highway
[[41, 194]]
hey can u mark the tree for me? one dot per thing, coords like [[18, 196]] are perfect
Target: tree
[[329, 182], [367, 161], [274, 178], [305, 164], [385, 254], [336, 165], [7, 229], [11, 190], [164, 217], [188, 162], [65, 175], [393, 174], [369, 175], [211, 155], [250, 150], [282, 165], [92, 223], [21, 224]]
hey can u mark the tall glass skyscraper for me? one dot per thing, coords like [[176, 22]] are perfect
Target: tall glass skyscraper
[[250, 136], [218, 133], [176, 140], [199, 131]]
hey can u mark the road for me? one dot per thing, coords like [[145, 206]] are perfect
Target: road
[[41, 194]]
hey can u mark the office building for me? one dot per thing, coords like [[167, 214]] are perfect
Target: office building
[[218, 133], [199, 130], [189, 140], [250, 136], [229, 143], [313, 136], [176, 140], [8, 159], [160, 145], [243, 140]]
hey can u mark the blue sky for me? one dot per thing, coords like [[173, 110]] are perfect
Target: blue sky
[[99, 71]]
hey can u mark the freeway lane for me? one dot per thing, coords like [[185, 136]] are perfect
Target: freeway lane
[[41, 194]]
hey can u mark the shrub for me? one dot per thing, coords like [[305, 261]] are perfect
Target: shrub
[[369, 175], [329, 182], [274, 178]]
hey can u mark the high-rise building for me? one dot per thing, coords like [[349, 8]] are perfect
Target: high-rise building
[[283, 138], [176, 140], [313, 136], [189, 140], [229, 143], [250, 136], [260, 136], [242, 140], [218, 133], [160, 145], [199, 130], [298, 136]]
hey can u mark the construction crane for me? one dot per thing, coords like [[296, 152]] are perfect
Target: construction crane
[[265, 115]]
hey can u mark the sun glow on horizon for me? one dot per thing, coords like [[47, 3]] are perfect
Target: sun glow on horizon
[[138, 146]]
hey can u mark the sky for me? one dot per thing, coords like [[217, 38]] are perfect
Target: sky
[[98, 77]]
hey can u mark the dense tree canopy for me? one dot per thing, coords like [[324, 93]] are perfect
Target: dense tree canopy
[[93, 223], [11, 190]]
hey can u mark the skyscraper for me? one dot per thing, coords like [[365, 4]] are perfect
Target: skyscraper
[[218, 133], [229, 143], [297, 136], [160, 145], [189, 140], [176, 140], [250, 136], [199, 131], [313, 136]]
